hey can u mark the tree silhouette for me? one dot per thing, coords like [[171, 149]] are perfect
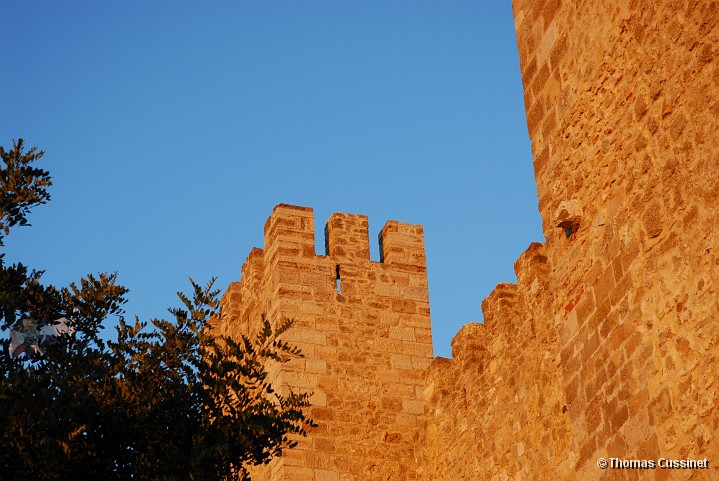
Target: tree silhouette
[[166, 401]]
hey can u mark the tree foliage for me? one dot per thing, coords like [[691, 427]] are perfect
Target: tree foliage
[[170, 401]]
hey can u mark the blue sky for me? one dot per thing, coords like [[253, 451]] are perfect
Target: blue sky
[[172, 129]]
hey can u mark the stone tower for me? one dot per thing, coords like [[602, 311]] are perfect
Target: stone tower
[[623, 113], [364, 329], [607, 348]]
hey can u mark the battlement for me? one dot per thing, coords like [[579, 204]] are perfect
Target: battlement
[[364, 329], [603, 346], [531, 267], [495, 368], [607, 344], [290, 232], [347, 236]]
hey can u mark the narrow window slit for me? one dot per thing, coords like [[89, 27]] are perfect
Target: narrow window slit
[[338, 280], [569, 228]]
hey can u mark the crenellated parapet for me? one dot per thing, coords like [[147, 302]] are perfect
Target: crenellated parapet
[[364, 329], [606, 347], [603, 348], [532, 269], [403, 245], [501, 303], [500, 393], [347, 236], [289, 232], [505, 309]]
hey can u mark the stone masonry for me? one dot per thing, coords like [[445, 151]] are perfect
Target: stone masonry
[[364, 330], [608, 344]]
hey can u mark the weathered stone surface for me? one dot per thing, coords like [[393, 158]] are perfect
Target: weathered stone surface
[[364, 329], [607, 346], [613, 350]]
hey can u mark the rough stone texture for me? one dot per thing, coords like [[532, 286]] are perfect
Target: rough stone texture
[[497, 410], [628, 129], [365, 348], [607, 346], [611, 351]]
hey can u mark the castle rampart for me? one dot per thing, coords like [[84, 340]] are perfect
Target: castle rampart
[[607, 346], [621, 102], [610, 351], [364, 329]]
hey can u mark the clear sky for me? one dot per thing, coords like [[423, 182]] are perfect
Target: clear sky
[[172, 129]]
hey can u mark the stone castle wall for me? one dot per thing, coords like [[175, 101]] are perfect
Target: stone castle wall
[[364, 329], [608, 344], [613, 352], [622, 112], [497, 410]]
